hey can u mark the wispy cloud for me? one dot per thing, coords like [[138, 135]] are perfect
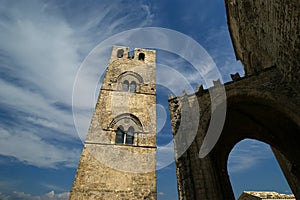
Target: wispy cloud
[[181, 75], [161, 193], [247, 154], [220, 47], [52, 187], [41, 47], [24, 196], [165, 155], [33, 150]]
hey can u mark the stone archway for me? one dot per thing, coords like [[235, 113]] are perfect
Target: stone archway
[[260, 119], [264, 105], [252, 166], [258, 107]]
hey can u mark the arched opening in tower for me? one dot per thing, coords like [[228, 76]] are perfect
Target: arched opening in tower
[[141, 56]]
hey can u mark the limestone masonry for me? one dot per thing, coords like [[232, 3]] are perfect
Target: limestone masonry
[[264, 105], [118, 158], [265, 195], [118, 161]]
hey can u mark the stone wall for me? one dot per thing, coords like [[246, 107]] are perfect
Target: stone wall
[[257, 108], [95, 180], [266, 33], [265, 195], [264, 105], [108, 170]]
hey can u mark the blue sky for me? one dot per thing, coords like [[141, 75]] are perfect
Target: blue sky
[[43, 43]]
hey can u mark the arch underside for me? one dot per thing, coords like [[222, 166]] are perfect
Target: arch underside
[[135, 76], [128, 120], [264, 112], [263, 106], [263, 123]]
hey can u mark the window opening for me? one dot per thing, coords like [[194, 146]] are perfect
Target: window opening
[[120, 135], [141, 56], [120, 53], [125, 85], [132, 86], [131, 54], [129, 135], [125, 137]]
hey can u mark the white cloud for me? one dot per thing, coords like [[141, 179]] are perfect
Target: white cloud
[[247, 154], [33, 150], [164, 155], [24, 196], [41, 48], [52, 187], [3, 196], [42, 122], [37, 109], [219, 45], [161, 193]]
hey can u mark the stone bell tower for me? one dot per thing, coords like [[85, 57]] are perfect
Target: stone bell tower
[[118, 160]]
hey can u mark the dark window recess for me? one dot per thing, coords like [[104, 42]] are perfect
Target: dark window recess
[[129, 135], [132, 86], [125, 85], [120, 135], [124, 137], [141, 56], [120, 53], [131, 54]]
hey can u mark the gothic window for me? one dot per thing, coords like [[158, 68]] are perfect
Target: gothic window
[[125, 86], [129, 81], [126, 126], [132, 87], [129, 135], [125, 137], [141, 56], [120, 135], [120, 53]]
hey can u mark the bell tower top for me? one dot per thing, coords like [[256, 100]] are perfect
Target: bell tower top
[[143, 55]]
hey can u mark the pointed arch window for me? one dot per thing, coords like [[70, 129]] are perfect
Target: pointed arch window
[[125, 137], [125, 85], [120, 135], [132, 87], [129, 81], [129, 135], [127, 128]]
